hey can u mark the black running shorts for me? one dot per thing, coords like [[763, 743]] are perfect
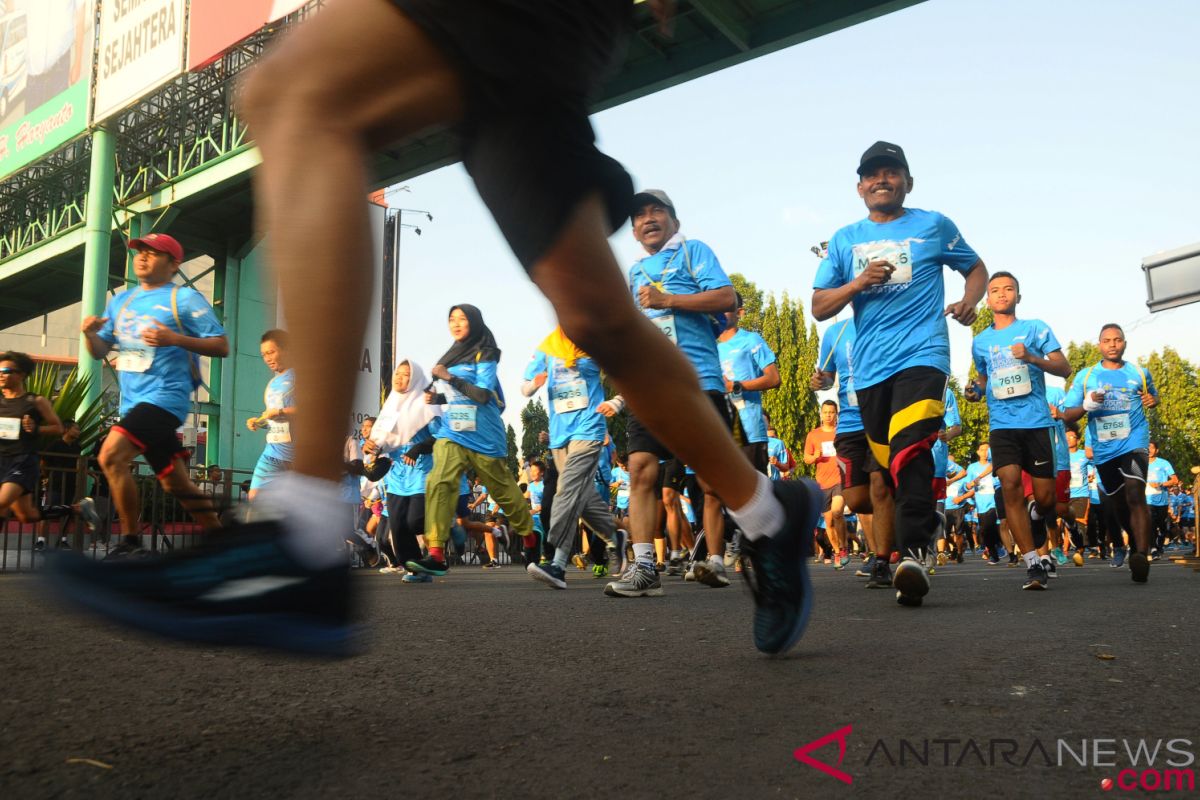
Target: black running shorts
[[1133, 465], [1032, 449], [641, 440], [152, 431], [22, 469], [530, 69], [853, 455]]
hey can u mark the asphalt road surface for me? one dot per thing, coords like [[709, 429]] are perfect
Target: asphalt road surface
[[485, 684]]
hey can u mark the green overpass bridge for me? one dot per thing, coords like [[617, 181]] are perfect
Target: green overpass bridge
[[180, 161]]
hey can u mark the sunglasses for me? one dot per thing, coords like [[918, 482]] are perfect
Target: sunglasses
[[8, 370]]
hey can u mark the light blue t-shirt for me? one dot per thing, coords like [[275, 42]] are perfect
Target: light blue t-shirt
[[1120, 425], [574, 394], [279, 394], [985, 488], [744, 356], [1093, 485], [952, 491], [536, 490], [685, 267], [1079, 466], [901, 323], [1056, 397], [837, 356], [621, 477], [1184, 505], [407, 481], [777, 450], [940, 449], [1016, 391], [952, 467], [161, 376], [1159, 471], [474, 426]]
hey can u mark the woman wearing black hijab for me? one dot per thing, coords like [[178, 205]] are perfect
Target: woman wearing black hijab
[[472, 438]]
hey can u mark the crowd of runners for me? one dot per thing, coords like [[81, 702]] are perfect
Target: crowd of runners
[[703, 486]]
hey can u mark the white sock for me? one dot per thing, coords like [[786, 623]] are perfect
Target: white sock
[[763, 515], [1032, 559], [315, 517], [717, 559], [643, 553]]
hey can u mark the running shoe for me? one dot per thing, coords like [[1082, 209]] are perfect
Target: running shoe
[[550, 574], [1077, 557], [417, 577], [600, 571], [689, 575], [864, 571], [881, 575], [492, 565], [778, 571], [942, 559], [894, 558], [730, 555], [1002, 553], [40, 545], [658, 567], [240, 587], [711, 573], [1035, 577], [675, 565], [911, 581], [1118, 559], [578, 561], [127, 548], [390, 570], [958, 556], [637, 581], [1013, 560], [1139, 567], [428, 566], [88, 513], [843, 559], [1050, 567], [1059, 556]]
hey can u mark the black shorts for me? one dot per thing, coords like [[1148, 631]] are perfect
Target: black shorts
[[463, 510], [1133, 465], [955, 519], [529, 69], [152, 431], [672, 474], [23, 470], [641, 440], [829, 494], [1031, 449], [756, 454], [902, 416], [853, 455]]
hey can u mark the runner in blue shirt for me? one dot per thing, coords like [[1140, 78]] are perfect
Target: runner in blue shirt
[[278, 408], [1183, 514], [1115, 395], [836, 359], [749, 369], [890, 266], [158, 329], [1160, 479], [779, 458], [1077, 486], [1012, 357], [958, 501], [577, 443], [981, 480]]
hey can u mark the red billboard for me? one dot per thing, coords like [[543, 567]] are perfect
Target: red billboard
[[217, 25]]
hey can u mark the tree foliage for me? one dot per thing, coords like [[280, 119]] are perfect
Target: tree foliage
[[67, 399], [534, 421], [511, 460], [792, 407], [1175, 422]]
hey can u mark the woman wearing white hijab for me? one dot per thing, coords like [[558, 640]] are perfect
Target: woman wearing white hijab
[[404, 430]]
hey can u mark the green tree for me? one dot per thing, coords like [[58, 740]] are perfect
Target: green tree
[[534, 421], [1175, 422], [511, 460], [752, 301], [1080, 357], [975, 427], [792, 407]]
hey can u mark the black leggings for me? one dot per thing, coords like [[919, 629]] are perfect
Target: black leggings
[[406, 521]]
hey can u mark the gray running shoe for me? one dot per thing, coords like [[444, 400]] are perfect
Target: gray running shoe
[[636, 582], [911, 582], [711, 573], [87, 512]]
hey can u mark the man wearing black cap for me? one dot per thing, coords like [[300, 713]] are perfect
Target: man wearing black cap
[[889, 266], [157, 329]]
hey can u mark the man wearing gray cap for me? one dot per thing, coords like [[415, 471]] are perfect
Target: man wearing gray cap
[[889, 266]]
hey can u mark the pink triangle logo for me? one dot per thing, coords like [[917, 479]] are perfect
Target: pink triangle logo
[[802, 754]]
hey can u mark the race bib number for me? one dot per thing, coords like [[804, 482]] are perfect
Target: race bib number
[[279, 432], [570, 396], [134, 356], [1011, 382], [898, 254], [1112, 428], [461, 418], [10, 428], [828, 450], [666, 324]]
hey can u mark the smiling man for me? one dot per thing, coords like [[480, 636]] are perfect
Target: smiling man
[[889, 266]]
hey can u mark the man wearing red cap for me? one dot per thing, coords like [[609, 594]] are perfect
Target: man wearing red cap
[[158, 330]]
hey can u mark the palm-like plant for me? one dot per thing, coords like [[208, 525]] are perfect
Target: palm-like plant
[[69, 399]]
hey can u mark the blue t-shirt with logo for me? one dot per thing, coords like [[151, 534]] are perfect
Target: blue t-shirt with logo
[[472, 425], [985, 487], [1079, 466], [777, 450], [744, 356], [1159, 471], [685, 267], [407, 481], [604, 468], [1093, 484], [280, 393], [574, 393], [161, 376], [621, 477], [901, 323], [952, 491], [536, 490], [940, 449], [1184, 505], [837, 356], [1016, 391], [1120, 425], [1057, 398]]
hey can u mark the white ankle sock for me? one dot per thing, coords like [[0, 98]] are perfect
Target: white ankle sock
[[763, 515], [316, 517], [644, 553]]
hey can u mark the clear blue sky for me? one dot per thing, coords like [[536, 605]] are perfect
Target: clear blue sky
[[1061, 137]]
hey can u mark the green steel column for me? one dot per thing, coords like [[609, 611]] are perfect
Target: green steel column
[[216, 371], [96, 248], [233, 277]]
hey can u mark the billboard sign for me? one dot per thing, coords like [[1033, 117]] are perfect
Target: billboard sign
[[216, 25], [45, 60], [140, 48]]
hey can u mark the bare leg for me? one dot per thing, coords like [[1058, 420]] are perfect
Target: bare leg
[[315, 128], [189, 495], [884, 516], [116, 457], [643, 500]]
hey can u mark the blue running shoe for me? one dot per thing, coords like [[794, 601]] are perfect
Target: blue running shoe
[[417, 577], [778, 574], [238, 588], [550, 574], [1118, 559], [427, 566]]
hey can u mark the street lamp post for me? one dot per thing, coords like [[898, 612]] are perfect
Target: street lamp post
[[394, 227]]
